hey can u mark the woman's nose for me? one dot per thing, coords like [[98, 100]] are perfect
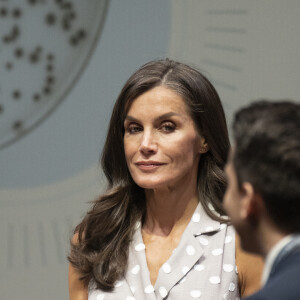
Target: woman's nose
[[148, 144]]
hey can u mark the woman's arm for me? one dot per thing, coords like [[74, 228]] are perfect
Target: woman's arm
[[77, 290], [249, 270]]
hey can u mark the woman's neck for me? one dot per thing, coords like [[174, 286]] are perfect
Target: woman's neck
[[168, 210]]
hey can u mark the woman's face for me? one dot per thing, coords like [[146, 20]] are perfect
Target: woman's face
[[162, 145]]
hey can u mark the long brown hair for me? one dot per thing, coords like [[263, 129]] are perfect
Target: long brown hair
[[104, 235]]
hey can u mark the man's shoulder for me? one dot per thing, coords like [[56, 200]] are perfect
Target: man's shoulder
[[284, 283]]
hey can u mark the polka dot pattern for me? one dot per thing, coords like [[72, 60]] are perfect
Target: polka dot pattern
[[140, 247], [228, 239], [223, 226], [217, 252], [228, 268], [203, 241], [214, 279], [195, 294], [167, 268], [149, 289], [190, 250], [118, 284], [182, 280], [199, 267], [209, 228], [163, 291], [198, 254], [132, 288], [231, 287], [196, 217], [185, 269], [135, 269]]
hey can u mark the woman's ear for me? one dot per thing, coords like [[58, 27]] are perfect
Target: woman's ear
[[203, 147]]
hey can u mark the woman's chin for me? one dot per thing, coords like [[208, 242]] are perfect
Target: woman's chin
[[148, 184]]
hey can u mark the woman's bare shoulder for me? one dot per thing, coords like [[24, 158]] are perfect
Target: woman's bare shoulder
[[250, 268]]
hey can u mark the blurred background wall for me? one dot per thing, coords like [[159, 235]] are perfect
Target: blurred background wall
[[62, 65]]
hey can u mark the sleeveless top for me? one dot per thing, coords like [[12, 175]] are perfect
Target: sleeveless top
[[202, 266]]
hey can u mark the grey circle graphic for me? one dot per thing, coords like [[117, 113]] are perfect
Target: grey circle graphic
[[44, 48]]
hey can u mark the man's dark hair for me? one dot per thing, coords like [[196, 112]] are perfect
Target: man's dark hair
[[267, 154]]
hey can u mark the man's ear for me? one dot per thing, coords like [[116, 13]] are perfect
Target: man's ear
[[250, 202]]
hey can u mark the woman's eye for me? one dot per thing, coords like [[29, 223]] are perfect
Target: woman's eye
[[168, 127], [134, 129]]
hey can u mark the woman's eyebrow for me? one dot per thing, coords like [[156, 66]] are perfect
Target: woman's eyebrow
[[159, 118], [131, 119]]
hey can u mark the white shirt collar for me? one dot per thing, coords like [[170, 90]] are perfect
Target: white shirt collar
[[272, 256]]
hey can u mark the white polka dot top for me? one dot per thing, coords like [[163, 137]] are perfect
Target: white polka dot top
[[202, 266]]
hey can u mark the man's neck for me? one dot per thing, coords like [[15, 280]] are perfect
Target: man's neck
[[267, 235], [272, 255]]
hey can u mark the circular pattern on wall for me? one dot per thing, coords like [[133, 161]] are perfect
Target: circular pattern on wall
[[44, 47]]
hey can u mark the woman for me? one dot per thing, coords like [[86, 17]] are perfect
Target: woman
[[160, 231]]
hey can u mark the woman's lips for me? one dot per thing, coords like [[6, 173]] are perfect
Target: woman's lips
[[148, 165]]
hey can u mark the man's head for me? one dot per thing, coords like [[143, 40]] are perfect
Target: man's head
[[263, 169]]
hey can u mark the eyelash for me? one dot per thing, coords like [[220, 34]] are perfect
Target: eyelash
[[133, 128], [166, 127]]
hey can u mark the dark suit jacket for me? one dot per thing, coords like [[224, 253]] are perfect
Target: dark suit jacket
[[284, 282]]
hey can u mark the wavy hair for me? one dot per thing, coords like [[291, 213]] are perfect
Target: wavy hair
[[101, 251]]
